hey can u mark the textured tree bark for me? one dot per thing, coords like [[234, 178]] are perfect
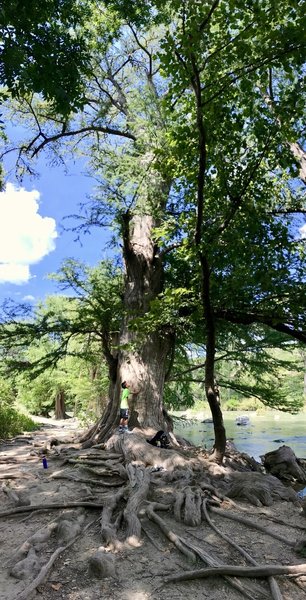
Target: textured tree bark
[[265, 571], [60, 408], [208, 309], [142, 360], [282, 463], [300, 155]]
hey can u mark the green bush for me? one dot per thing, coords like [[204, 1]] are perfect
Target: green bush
[[232, 404], [12, 422], [240, 404]]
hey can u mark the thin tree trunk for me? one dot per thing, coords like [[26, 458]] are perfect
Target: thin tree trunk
[[208, 312], [210, 387]]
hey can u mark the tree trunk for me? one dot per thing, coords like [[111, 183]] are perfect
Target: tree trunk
[[60, 408], [303, 354], [210, 382], [142, 360], [300, 155]]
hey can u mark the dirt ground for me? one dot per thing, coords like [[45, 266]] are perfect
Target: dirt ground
[[135, 572]]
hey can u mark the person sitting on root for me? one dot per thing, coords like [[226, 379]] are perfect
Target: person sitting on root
[[160, 440]]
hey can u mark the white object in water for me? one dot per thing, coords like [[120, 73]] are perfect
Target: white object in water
[[242, 420]]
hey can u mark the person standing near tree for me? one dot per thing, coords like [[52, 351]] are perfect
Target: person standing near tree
[[124, 408]]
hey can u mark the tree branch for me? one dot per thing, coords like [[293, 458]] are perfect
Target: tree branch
[[245, 70], [89, 129], [209, 15], [194, 368], [270, 321]]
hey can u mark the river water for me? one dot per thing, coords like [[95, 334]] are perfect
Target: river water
[[265, 432]]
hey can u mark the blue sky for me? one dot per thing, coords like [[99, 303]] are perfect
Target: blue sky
[[32, 241]]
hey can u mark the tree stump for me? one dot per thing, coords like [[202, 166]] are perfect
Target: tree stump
[[283, 463]]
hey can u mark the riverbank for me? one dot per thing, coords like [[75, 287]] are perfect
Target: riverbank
[[264, 432]]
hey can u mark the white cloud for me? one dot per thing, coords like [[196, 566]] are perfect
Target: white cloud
[[302, 231], [28, 298], [25, 236], [14, 273]]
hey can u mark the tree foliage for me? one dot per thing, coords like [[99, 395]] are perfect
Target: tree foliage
[[193, 124], [66, 343], [45, 48]]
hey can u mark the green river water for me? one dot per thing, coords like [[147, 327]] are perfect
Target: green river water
[[265, 432]]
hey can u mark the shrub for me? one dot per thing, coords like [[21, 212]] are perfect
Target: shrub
[[12, 422], [232, 404]]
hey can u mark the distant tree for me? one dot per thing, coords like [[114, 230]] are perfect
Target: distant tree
[[43, 342], [75, 384]]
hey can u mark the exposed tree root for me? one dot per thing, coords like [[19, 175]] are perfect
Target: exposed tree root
[[139, 488], [275, 591], [22, 509], [17, 498], [283, 464], [282, 522], [249, 523], [104, 472], [80, 461], [135, 448], [43, 574], [149, 479], [109, 527], [191, 551], [151, 538], [42, 535], [208, 558], [259, 489], [268, 571], [15, 475], [175, 539], [78, 479]]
